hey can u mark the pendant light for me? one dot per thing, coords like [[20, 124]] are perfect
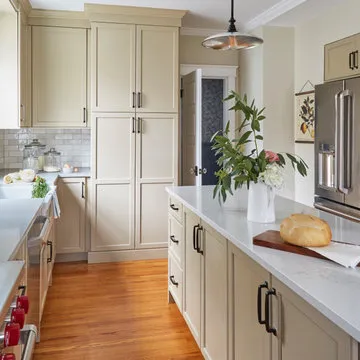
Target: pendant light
[[232, 39]]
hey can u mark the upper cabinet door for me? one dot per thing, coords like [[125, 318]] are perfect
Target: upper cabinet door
[[341, 59], [59, 69], [113, 68], [157, 69]]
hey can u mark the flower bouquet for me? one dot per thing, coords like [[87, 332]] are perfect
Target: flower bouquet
[[261, 170]]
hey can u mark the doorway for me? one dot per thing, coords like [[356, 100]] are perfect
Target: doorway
[[203, 113]]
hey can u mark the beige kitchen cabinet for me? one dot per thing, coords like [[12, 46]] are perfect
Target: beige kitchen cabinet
[[157, 67], [71, 225], [113, 182], [342, 58], [156, 145], [214, 336], [193, 277], [136, 68], [247, 337], [113, 71], [302, 332], [59, 77]]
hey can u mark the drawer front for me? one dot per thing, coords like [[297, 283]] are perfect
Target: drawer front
[[176, 282], [176, 209], [176, 243]]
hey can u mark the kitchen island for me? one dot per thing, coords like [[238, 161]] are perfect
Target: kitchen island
[[327, 290]]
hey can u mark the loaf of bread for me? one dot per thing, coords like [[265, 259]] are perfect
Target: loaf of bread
[[305, 230]]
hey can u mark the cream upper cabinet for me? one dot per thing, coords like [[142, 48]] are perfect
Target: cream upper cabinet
[[113, 137], [342, 58], [302, 332], [214, 339], [113, 71], [70, 227], [192, 278], [248, 284], [157, 69], [59, 77]]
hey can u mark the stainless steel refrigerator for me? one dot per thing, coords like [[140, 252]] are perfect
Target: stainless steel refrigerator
[[337, 148]]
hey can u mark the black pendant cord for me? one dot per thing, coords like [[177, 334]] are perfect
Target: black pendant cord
[[232, 27]]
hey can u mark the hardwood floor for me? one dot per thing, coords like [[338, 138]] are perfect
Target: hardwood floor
[[113, 311]]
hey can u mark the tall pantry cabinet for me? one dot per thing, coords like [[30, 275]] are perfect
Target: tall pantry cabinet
[[135, 104]]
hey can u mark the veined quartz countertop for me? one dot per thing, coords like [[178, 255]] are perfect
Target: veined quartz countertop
[[330, 288], [9, 275], [16, 218]]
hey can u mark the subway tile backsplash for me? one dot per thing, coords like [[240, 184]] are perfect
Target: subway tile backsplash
[[73, 144]]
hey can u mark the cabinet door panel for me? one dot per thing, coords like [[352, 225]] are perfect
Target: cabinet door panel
[[248, 339], [157, 147], [59, 70], [113, 74], [152, 216], [113, 218], [192, 282], [337, 64], [304, 332], [157, 71], [114, 147], [214, 342], [70, 227]]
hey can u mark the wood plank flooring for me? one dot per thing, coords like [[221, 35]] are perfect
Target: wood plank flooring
[[112, 312]]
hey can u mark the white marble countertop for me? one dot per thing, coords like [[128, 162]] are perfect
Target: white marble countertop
[[16, 218], [9, 275], [330, 288]]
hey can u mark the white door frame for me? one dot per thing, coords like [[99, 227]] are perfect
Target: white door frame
[[228, 74]]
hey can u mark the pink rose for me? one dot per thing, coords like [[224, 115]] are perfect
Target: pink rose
[[271, 157]]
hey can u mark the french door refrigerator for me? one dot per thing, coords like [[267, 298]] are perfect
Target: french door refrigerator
[[337, 148]]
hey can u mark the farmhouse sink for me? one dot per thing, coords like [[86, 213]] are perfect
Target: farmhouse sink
[[20, 191]]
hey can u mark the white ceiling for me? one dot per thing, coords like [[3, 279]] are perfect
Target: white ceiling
[[205, 14]]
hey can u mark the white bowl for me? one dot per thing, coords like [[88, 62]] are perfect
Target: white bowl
[[68, 170]]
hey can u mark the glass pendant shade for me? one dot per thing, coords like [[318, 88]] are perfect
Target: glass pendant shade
[[232, 39]]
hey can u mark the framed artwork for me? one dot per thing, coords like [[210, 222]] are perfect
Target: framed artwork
[[305, 117]]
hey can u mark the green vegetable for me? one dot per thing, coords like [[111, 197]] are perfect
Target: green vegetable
[[40, 188]]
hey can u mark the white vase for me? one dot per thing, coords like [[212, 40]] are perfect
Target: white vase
[[261, 207]]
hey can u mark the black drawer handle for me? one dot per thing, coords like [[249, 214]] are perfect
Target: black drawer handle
[[259, 302], [172, 238], [174, 207], [269, 329], [194, 240], [172, 279], [198, 248], [49, 243]]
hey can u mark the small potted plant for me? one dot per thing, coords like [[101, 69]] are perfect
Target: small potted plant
[[260, 170]]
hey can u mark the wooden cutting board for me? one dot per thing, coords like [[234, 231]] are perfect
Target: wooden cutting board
[[272, 239]]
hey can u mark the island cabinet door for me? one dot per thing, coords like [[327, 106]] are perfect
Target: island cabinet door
[[248, 284], [302, 332], [193, 273], [213, 248]]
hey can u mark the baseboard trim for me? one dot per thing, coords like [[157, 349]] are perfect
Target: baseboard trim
[[71, 257], [126, 255]]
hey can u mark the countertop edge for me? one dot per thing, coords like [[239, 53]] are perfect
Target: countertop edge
[[322, 308]]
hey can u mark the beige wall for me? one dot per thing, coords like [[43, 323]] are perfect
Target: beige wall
[[267, 75], [310, 39], [192, 52]]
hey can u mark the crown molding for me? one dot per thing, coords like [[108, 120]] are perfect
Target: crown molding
[[26, 6], [200, 31], [272, 13], [58, 18]]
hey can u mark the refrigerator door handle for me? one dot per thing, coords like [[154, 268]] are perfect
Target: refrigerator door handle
[[344, 132], [337, 140]]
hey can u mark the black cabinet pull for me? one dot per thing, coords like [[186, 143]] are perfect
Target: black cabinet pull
[[351, 61], [139, 104], [172, 279], [268, 327], [198, 248], [49, 243], [133, 99], [84, 115], [356, 59], [133, 124], [265, 285], [194, 240], [174, 207], [172, 238], [83, 190]]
